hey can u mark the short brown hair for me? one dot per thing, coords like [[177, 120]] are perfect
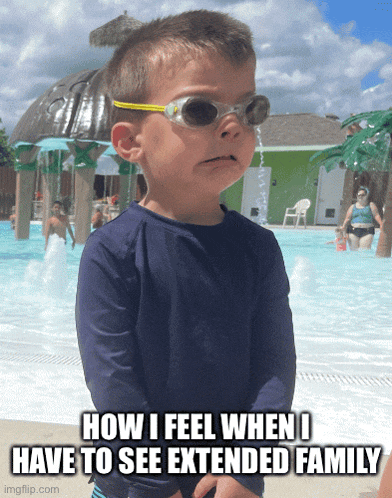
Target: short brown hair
[[161, 40]]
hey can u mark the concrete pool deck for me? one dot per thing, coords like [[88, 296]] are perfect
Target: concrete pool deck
[[14, 433]]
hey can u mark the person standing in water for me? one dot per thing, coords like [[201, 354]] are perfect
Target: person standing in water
[[359, 222], [58, 224]]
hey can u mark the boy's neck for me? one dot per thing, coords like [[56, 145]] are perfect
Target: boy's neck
[[196, 212]]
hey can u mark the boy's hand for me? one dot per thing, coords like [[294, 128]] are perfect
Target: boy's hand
[[226, 487]]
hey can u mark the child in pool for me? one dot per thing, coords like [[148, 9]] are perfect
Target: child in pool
[[58, 224], [182, 305], [340, 241]]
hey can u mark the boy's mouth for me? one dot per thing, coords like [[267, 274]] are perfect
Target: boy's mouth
[[221, 158]]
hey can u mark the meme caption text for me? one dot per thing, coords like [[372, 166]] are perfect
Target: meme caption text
[[169, 444]]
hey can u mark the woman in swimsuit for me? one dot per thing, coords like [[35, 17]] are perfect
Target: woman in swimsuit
[[360, 221]]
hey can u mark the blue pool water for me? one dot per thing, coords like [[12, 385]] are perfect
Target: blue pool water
[[342, 308]]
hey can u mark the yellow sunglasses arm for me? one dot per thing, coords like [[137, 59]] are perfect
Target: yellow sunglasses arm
[[139, 107]]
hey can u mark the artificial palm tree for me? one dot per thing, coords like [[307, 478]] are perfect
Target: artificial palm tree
[[368, 149]]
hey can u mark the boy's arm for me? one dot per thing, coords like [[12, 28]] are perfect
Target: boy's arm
[[274, 359], [105, 317]]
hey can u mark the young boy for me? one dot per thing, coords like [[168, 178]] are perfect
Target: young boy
[[58, 223], [340, 241], [182, 305]]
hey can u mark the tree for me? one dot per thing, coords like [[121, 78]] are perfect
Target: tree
[[7, 154], [368, 149]]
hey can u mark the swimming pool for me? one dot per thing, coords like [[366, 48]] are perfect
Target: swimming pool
[[342, 308]]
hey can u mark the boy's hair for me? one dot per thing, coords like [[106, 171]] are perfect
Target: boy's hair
[[177, 38]]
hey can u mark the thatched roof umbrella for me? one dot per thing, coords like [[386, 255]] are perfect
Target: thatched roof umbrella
[[115, 32]]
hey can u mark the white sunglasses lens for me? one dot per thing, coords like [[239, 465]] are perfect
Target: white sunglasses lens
[[257, 111], [198, 112]]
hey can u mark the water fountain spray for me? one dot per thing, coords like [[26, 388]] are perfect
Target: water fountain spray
[[262, 199]]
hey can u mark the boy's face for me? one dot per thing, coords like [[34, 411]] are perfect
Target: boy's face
[[179, 161]]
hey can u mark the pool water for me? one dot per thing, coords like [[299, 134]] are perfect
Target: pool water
[[342, 308]]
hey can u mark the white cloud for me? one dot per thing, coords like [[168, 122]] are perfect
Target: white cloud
[[373, 89], [31, 48], [386, 71], [346, 29], [4, 47], [62, 11], [28, 7], [8, 91], [365, 59], [302, 64], [292, 81]]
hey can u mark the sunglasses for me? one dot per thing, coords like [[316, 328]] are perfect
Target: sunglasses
[[196, 112]]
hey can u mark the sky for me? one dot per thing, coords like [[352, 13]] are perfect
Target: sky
[[323, 57]]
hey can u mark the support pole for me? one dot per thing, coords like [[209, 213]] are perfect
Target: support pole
[[49, 184], [128, 182], [86, 155], [24, 197], [84, 181], [385, 240], [25, 167], [123, 194]]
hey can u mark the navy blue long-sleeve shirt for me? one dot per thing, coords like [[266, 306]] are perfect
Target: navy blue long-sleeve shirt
[[176, 317]]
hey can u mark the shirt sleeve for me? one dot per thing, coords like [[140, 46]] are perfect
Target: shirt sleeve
[[274, 358], [106, 308]]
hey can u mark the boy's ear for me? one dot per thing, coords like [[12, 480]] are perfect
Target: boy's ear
[[125, 143]]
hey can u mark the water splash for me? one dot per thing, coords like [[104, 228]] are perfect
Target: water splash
[[49, 276], [303, 278], [262, 199], [54, 277]]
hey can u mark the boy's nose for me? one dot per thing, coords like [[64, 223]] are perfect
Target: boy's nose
[[230, 127]]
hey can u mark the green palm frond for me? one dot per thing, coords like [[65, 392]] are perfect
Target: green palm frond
[[325, 155], [365, 150]]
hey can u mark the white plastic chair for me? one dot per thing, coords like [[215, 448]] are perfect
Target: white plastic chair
[[300, 210]]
